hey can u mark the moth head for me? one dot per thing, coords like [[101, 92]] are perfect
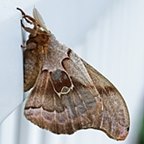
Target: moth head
[[37, 29], [40, 37]]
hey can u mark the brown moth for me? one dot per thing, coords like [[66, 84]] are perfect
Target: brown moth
[[67, 94]]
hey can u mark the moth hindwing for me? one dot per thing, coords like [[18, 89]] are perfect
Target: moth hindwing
[[67, 94]]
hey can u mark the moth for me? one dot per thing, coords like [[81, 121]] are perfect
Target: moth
[[67, 94]]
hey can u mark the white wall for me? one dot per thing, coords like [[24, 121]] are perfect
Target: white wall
[[109, 35]]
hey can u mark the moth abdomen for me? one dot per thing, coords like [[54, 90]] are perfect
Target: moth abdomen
[[31, 68]]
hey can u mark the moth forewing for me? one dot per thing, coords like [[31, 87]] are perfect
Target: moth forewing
[[67, 93]]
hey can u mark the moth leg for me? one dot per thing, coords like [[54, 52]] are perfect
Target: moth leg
[[24, 27], [23, 46], [30, 20], [24, 15], [30, 30]]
